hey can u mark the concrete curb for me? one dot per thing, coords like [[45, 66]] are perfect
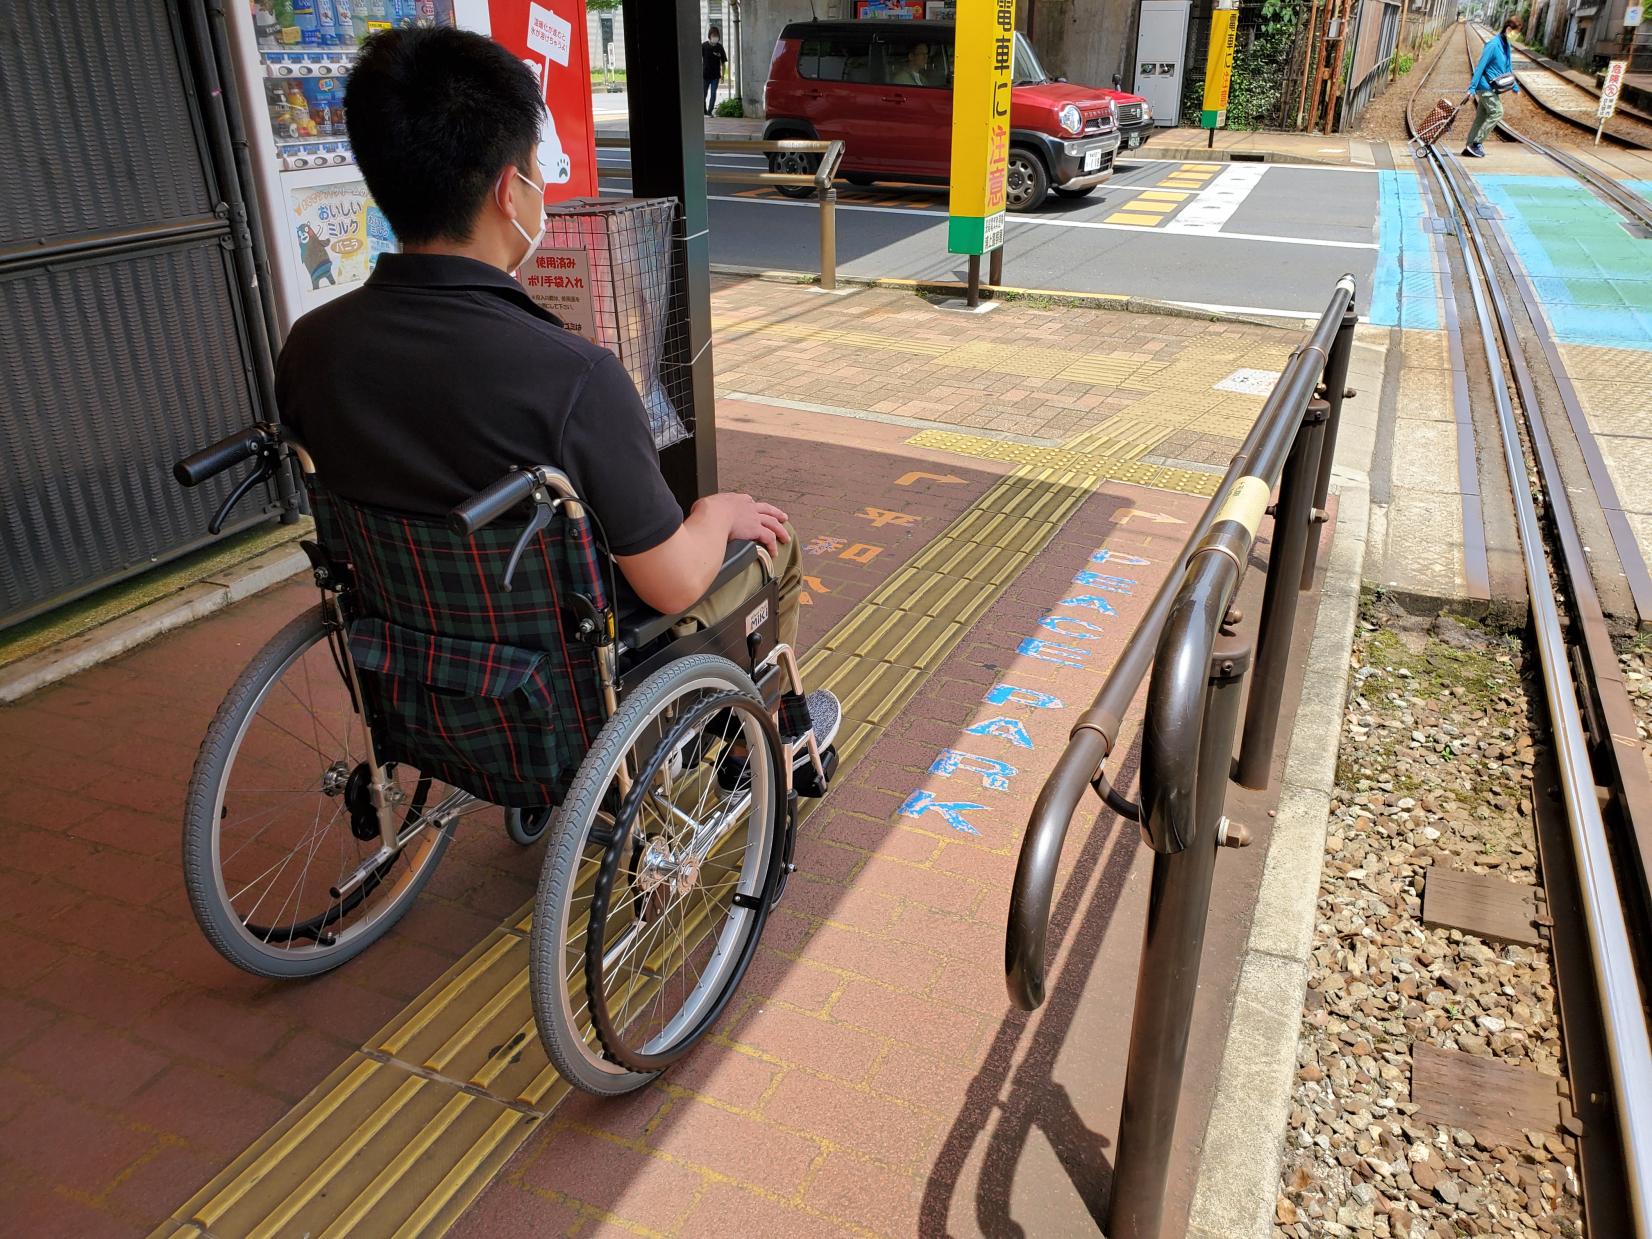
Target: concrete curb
[[1008, 293], [189, 604], [1238, 1177]]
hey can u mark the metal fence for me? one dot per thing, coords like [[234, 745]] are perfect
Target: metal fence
[[1191, 640], [827, 157]]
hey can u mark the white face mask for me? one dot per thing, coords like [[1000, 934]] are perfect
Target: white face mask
[[533, 241]]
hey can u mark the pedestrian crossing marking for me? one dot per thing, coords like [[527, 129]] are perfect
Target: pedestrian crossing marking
[[1161, 195], [1128, 217]]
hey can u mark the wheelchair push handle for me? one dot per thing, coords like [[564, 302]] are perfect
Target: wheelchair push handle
[[228, 452], [487, 506]]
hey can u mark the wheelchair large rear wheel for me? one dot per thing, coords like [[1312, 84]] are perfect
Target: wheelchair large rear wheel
[[654, 889], [274, 823]]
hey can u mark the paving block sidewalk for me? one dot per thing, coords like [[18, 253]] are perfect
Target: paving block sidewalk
[[845, 1091]]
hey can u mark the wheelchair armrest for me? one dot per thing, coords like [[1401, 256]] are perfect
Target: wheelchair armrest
[[645, 625]]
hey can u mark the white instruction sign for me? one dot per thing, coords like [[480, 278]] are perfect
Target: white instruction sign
[[549, 35], [559, 280], [1632, 15]]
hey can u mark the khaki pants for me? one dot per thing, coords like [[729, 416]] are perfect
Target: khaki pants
[[788, 571], [1488, 110]]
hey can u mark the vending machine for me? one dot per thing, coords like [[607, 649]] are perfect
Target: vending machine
[[323, 231]]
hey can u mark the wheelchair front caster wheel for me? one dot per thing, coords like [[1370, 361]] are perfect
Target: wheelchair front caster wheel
[[806, 781], [526, 826]]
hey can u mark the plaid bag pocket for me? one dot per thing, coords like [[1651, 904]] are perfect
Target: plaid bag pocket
[[476, 714]]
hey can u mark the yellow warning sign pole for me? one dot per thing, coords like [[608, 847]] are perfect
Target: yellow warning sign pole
[[1224, 35]]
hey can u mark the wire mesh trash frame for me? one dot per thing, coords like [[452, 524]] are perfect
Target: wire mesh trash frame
[[630, 246]]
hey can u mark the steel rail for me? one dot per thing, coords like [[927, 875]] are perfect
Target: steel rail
[[1622, 1010], [1094, 735]]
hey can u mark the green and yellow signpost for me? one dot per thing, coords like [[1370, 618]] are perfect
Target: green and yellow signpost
[[981, 79], [1224, 35]]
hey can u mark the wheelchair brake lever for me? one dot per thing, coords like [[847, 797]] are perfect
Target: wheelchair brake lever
[[263, 472], [544, 507]]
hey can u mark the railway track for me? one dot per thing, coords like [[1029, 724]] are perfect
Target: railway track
[[1596, 847], [1570, 101]]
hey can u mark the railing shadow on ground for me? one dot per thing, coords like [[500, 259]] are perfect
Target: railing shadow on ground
[[1027, 1097]]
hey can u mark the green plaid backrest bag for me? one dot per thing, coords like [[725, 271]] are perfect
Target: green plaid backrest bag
[[481, 688]]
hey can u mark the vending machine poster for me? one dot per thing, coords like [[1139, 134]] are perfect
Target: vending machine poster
[[549, 36], [339, 232], [559, 280]]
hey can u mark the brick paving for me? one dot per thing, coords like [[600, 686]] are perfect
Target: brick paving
[[843, 1093]]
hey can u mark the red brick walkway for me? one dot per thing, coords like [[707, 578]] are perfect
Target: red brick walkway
[[872, 1077], [134, 1062]]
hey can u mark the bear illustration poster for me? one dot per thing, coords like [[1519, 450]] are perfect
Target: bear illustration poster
[[549, 36]]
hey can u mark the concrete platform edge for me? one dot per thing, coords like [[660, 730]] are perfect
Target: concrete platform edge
[[114, 638], [1244, 1141]]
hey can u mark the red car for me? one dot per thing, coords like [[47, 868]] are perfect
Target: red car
[[884, 88]]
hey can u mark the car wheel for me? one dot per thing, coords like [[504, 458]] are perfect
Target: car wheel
[[1026, 183], [1075, 193], [795, 162]]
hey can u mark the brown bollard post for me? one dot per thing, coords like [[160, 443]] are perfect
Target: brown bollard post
[[1336, 388], [828, 239], [1293, 529], [1178, 906], [972, 297], [995, 267]]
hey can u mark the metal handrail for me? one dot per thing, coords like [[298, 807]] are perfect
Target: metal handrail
[[831, 158], [1199, 662], [1095, 733]]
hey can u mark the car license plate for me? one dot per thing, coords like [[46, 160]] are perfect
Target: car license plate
[[1092, 160], [1135, 140]]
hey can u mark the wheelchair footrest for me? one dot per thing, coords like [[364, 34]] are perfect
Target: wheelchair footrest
[[808, 783]]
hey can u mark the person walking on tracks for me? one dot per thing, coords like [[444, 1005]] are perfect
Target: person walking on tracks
[[1493, 78]]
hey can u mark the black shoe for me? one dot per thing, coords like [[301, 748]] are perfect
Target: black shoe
[[1474, 152]]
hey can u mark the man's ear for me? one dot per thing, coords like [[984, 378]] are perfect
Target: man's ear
[[504, 196]]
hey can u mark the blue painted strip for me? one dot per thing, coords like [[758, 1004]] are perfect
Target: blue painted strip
[[1592, 277], [1405, 286]]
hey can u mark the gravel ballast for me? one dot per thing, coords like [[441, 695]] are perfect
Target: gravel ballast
[[1435, 769]]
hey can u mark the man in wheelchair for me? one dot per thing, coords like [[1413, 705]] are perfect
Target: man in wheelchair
[[515, 611]]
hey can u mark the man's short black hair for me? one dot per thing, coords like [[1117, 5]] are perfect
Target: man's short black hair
[[433, 115], [712, 30]]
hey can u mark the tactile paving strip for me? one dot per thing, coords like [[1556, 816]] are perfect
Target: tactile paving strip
[[402, 1137]]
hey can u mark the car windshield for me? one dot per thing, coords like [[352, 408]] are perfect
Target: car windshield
[[1027, 70]]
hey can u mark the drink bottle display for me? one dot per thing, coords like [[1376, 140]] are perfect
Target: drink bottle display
[[326, 20], [265, 28], [315, 97], [344, 23], [375, 15], [304, 20], [299, 108]]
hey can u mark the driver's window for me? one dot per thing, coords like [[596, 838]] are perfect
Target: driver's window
[[902, 60]]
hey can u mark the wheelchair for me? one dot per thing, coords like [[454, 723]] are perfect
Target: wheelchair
[[486, 660]]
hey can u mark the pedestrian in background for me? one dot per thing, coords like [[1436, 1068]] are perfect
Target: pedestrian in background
[[1493, 78], [713, 63]]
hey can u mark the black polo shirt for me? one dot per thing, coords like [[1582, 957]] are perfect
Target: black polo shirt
[[439, 374]]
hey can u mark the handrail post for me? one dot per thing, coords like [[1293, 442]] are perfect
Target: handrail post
[[828, 238], [1293, 529], [1336, 387], [1178, 905]]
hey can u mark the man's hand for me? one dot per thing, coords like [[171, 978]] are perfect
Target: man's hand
[[749, 520], [673, 576]]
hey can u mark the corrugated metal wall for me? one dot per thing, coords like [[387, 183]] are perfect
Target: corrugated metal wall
[[123, 331]]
